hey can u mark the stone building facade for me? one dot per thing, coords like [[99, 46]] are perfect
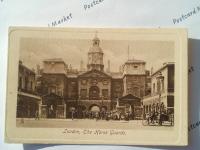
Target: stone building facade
[[94, 88], [161, 98], [27, 99]]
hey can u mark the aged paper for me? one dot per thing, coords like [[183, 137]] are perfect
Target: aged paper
[[98, 86]]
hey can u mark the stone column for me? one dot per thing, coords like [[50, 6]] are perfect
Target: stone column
[[65, 109], [40, 107]]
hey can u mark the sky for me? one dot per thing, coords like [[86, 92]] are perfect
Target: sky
[[34, 50]]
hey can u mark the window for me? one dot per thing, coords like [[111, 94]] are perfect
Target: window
[[94, 93], [170, 101], [52, 90], [26, 83], [73, 93], [73, 83], [129, 85], [135, 78], [105, 93], [118, 88], [105, 82], [162, 85], [20, 82], [83, 93], [31, 86], [158, 86], [60, 92], [136, 91], [135, 67]]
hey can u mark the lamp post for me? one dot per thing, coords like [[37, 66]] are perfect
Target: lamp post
[[78, 109], [160, 78]]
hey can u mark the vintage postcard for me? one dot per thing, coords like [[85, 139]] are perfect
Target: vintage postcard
[[97, 86]]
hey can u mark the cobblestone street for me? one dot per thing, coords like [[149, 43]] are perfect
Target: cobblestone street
[[84, 123]]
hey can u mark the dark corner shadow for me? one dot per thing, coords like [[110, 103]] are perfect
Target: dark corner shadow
[[36, 146], [70, 146], [194, 105]]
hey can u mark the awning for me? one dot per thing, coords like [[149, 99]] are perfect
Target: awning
[[52, 96], [29, 95]]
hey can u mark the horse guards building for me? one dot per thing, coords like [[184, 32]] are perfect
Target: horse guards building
[[56, 90]]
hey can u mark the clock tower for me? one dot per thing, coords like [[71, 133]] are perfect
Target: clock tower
[[95, 56]]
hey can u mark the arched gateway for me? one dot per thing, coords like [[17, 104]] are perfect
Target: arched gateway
[[94, 108]]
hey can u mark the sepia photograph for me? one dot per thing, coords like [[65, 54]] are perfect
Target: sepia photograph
[[95, 80], [100, 82]]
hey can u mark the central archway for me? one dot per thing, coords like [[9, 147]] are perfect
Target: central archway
[[94, 93], [94, 108]]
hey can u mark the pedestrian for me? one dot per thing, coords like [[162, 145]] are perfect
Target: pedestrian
[[73, 114], [36, 115], [120, 116], [22, 118], [97, 116]]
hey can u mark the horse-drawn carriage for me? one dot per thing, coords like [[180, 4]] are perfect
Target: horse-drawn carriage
[[158, 118]]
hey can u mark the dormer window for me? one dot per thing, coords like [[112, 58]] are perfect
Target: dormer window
[[135, 67]]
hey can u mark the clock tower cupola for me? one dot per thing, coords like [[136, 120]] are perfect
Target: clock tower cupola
[[95, 56]]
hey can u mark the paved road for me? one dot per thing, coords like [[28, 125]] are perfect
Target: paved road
[[86, 123]]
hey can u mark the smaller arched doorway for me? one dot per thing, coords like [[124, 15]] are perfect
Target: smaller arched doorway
[[52, 101]]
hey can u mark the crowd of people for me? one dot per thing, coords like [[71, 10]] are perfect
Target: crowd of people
[[156, 117], [101, 115]]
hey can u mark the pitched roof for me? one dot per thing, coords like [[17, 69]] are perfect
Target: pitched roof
[[94, 71], [129, 97], [163, 67], [72, 75], [27, 69]]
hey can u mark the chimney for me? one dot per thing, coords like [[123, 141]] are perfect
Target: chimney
[[108, 69]]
